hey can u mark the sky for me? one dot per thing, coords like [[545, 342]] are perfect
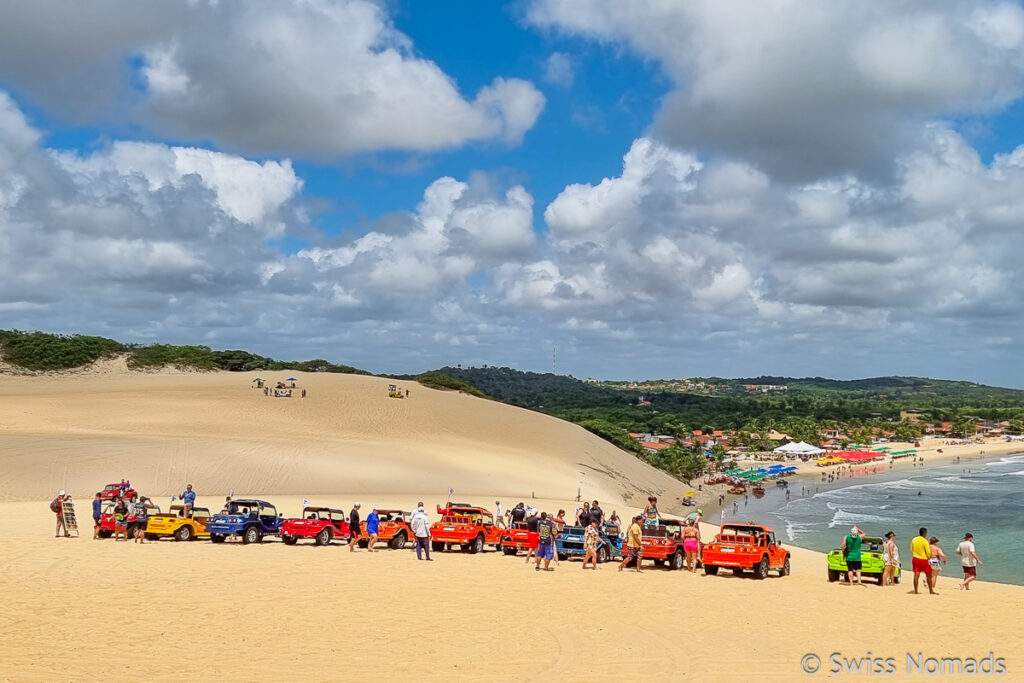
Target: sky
[[655, 189]]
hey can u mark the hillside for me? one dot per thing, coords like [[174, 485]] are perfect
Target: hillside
[[215, 430]]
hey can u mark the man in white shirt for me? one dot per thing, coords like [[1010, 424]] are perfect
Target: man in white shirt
[[968, 560], [499, 515]]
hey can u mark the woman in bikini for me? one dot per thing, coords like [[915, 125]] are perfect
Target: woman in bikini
[[936, 561], [891, 557], [691, 544], [651, 512]]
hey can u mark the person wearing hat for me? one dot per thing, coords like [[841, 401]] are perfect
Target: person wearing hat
[[353, 526], [57, 507], [851, 553], [634, 544], [969, 561], [695, 517], [372, 528]]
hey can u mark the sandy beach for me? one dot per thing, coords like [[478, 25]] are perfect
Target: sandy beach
[[84, 610]]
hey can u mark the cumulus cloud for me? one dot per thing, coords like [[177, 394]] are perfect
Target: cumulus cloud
[[810, 90], [316, 78], [559, 70]]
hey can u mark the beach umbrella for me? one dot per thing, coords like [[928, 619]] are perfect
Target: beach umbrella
[[691, 494], [291, 379], [257, 379]]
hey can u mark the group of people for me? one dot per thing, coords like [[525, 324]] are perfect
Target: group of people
[[928, 558], [419, 522]]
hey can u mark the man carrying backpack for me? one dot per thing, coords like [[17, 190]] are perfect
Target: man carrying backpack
[[57, 507]]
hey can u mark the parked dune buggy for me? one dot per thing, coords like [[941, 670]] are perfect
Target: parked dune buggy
[[467, 526], [393, 529], [176, 525], [318, 523], [746, 547]]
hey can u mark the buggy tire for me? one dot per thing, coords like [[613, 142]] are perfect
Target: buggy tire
[[251, 535], [786, 568], [105, 533], [152, 537], [603, 554], [761, 569], [677, 561], [216, 538], [324, 537], [509, 549], [363, 542], [289, 540], [710, 570], [437, 546], [476, 546], [398, 542], [833, 575], [184, 533]]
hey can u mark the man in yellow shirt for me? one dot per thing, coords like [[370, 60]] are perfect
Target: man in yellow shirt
[[634, 544], [922, 552]]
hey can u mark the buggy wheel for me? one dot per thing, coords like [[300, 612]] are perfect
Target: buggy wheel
[[398, 542], [603, 554], [659, 563], [677, 561], [509, 549], [152, 537], [437, 546], [562, 557], [785, 569], [761, 570], [216, 538], [184, 533], [105, 533], [833, 575], [251, 535], [476, 546], [289, 540], [710, 569], [324, 537], [363, 542]]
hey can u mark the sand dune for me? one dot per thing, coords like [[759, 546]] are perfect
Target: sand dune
[[162, 431]]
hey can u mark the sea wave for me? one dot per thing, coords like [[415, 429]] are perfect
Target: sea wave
[[841, 517]]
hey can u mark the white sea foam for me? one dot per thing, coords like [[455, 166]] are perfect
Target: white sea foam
[[844, 518]]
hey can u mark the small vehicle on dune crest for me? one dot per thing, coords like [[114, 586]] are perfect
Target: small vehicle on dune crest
[[176, 525], [466, 526], [872, 562], [318, 523], [570, 543], [112, 491], [746, 547], [393, 529], [250, 520]]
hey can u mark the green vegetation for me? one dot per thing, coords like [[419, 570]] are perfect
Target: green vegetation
[[43, 351], [439, 380]]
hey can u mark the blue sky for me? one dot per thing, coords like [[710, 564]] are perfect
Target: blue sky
[[660, 190]]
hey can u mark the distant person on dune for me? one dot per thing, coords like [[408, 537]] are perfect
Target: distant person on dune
[[969, 561], [420, 524], [353, 523], [57, 507], [922, 553]]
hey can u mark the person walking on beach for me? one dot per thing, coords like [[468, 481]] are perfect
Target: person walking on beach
[[97, 514], [921, 553], [188, 499], [353, 526], [532, 536], [969, 561], [499, 516], [57, 507], [937, 559], [420, 524], [891, 558], [372, 528], [851, 553], [591, 541], [634, 544], [546, 532]]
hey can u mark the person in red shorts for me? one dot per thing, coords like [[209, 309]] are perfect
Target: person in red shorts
[[921, 551]]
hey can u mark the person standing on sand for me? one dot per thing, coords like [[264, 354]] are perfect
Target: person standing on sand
[[891, 558], [121, 519], [532, 537], [634, 544], [691, 544], [372, 528], [517, 515], [141, 510], [596, 514], [583, 515], [591, 541], [420, 524], [97, 513], [937, 559], [499, 517], [969, 561], [353, 526], [546, 532], [57, 507], [922, 553], [851, 553]]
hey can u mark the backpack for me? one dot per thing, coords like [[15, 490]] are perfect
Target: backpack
[[55, 504]]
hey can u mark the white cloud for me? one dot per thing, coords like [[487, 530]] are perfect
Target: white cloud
[[315, 78], [559, 70]]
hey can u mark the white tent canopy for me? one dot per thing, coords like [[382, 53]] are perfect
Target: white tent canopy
[[798, 448]]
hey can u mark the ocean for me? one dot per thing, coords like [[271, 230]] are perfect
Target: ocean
[[982, 496]]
